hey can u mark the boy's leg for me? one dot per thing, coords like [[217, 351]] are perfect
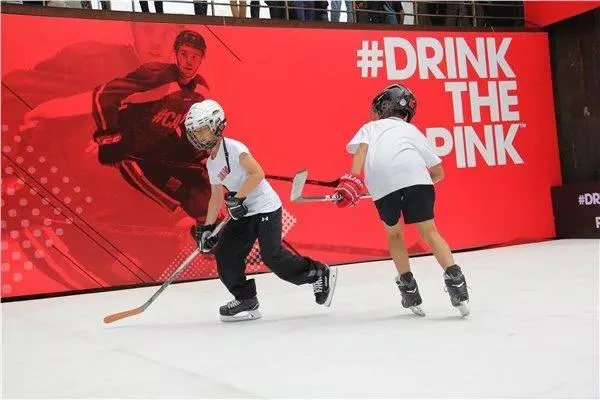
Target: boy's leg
[[411, 298], [397, 248], [453, 276], [234, 245], [418, 208], [291, 267], [390, 210], [436, 242]]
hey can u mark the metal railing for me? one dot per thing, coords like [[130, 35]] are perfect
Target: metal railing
[[423, 13]]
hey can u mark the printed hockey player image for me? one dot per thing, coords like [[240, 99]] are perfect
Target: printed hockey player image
[[174, 185], [256, 213], [137, 125], [138, 120], [400, 169], [79, 68]]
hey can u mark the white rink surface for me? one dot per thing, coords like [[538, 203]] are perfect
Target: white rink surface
[[532, 332]]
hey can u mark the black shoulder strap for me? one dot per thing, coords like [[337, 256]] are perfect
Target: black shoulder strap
[[226, 155]]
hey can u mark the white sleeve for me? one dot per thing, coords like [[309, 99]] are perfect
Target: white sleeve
[[237, 148], [425, 150], [362, 136]]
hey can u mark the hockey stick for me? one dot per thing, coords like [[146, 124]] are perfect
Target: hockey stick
[[333, 183], [178, 164], [300, 179], [135, 311]]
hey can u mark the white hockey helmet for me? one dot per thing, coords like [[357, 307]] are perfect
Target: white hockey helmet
[[205, 114]]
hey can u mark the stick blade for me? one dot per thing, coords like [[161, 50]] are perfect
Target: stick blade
[[124, 314], [298, 185]]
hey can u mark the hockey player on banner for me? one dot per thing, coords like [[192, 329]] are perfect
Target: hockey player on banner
[[256, 213], [138, 120], [400, 170]]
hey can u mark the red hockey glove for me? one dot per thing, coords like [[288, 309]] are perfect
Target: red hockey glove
[[350, 188]]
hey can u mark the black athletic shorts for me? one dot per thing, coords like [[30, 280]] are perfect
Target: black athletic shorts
[[415, 202]]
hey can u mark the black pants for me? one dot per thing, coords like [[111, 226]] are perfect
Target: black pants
[[255, 9], [200, 7], [235, 244], [277, 9], [158, 6]]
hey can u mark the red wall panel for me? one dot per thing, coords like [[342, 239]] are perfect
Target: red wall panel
[[542, 13], [295, 97]]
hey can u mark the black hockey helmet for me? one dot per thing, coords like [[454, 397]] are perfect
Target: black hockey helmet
[[192, 39], [395, 98]]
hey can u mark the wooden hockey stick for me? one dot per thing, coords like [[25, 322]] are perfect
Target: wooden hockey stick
[[300, 179], [135, 311]]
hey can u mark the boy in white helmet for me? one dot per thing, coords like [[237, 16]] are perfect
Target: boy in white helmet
[[400, 171], [255, 210]]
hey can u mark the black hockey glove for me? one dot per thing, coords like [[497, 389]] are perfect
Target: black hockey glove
[[201, 234], [235, 206], [111, 147]]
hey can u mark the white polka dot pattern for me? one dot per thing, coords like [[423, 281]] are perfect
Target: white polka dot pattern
[[204, 266]]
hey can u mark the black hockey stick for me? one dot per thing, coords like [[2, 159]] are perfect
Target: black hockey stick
[[135, 311], [300, 179]]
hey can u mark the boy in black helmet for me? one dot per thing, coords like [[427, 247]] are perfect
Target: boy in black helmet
[[400, 171]]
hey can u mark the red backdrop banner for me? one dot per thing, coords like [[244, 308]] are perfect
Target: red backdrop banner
[[542, 13], [295, 97]]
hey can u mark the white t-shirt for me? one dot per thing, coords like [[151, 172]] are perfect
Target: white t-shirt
[[398, 156], [263, 199]]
